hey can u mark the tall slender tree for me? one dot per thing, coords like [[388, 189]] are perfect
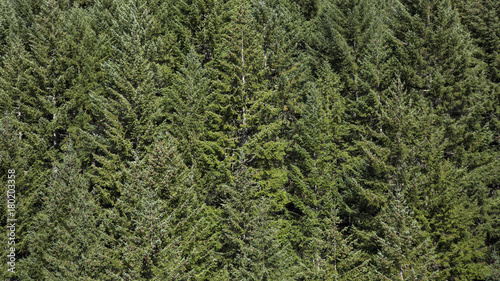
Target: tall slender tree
[[162, 221], [252, 248], [67, 239]]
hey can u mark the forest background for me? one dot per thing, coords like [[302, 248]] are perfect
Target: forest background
[[251, 139]]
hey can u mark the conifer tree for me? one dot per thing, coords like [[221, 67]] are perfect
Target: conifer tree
[[236, 77], [405, 253], [196, 24], [12, 166], [127, 91], [279, 102], [67, 239], [131, 72], [9, 25], [495, 267], [184, 113], [329, 252], [252, 247], [433, 51], [161, 220], [407, 152], [483, 22], [240, 71], [352, 36], [314, 163], [86, 110], [37, 70], [448, 73]]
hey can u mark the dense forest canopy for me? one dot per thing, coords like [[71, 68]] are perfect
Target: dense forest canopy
[[250, 139]]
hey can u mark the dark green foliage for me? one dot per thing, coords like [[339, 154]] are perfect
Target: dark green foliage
[[252, 139], [495, 266], [435, 55], [252, 244], [161, 218], [67, 239], [404, 252]]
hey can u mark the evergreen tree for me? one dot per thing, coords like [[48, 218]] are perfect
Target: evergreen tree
[[37, 69], [161, 220], [127, 93], [251, 247], [405, 253], [236, 77], [9, 25], [329, 254], [495, 267], [407, 152], [279, 101], [184, 113], [251, 139], [67, 239], [352, 36], [196, 24], [315, 163], [433, 51], [12, 165], [130, 73], [482, 20], [450, 75]]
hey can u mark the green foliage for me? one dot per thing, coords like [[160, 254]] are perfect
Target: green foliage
[[67, 239], [252, 139], [161, 218], [251, 245], [405, 253]]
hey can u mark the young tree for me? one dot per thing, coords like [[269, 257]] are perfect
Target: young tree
[[352, 36], [184, 111], [329, 252]]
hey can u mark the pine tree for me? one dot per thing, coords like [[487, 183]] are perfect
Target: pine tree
[[495, 267], [12, 166], [482, 20], [446, 70], [279, 101], [162, 221], [131, 82], [127, 93], [252, 246], [9, 25], [37, 70], [67, 239], [433, 51], [236, 76], [196, 24], [352, 36], [184, 113], [314, 165], [329, 253], [407, 151], [405, 253]]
